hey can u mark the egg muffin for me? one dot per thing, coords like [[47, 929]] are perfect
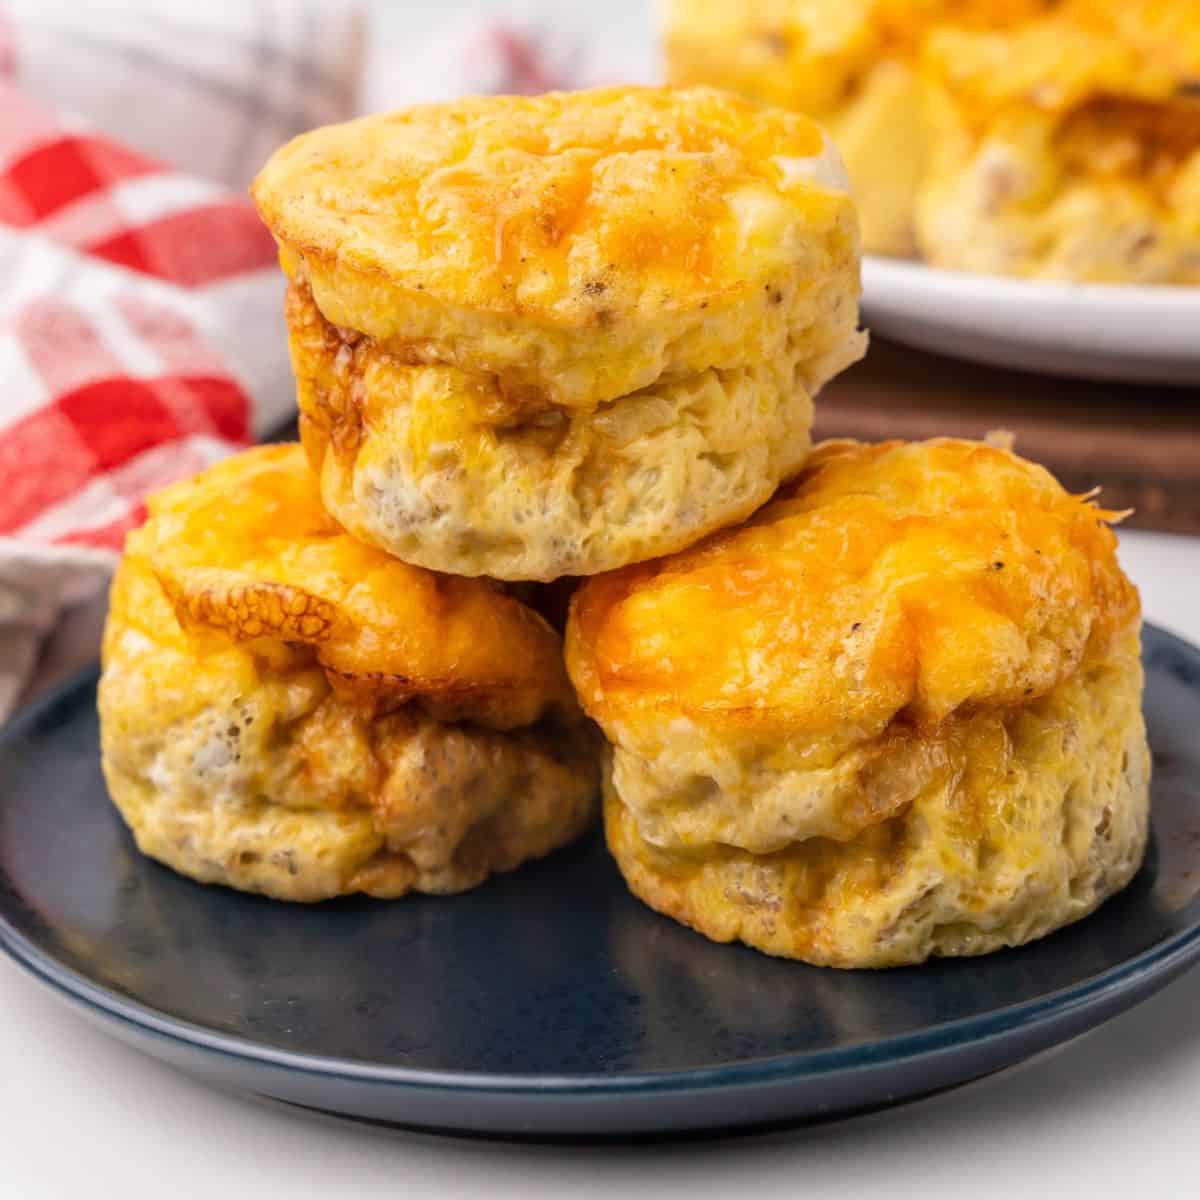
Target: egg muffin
[[286, 711], [896, 714], [1068, 149], [553, 335], [851, 64]]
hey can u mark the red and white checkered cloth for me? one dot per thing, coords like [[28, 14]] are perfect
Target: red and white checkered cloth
[[141, 338]]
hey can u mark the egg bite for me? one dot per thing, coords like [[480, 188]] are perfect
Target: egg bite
[[896, 714], [849, 63], [286, 711], [1068, 149], [553, 335]]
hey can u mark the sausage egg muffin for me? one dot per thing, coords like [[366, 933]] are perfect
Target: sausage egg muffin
[[1069, 149], [851, 64], [896, 714], [286, 711], [552, 335]]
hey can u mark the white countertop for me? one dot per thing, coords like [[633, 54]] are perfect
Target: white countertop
[[1116, 1114]]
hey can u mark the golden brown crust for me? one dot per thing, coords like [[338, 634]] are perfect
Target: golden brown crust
[[246, 552], [577, 246]]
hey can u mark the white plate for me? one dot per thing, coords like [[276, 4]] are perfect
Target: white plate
[[1088, 331]]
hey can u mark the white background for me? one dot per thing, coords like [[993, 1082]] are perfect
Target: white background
[[1117, 1114]]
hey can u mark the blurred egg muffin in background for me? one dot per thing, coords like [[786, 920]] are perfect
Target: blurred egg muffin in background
[[896, 714], [553, 335], [1070, 148], [286, 711], [852, 64]]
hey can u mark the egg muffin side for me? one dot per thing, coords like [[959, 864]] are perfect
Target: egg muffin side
[[1069, 149], [894, 715], [286, 711], [545, 336], [412, 458], [849, 63]]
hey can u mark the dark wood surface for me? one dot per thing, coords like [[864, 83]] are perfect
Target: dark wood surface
[[1141, 445]]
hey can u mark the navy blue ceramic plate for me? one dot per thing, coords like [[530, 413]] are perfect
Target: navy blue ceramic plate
[[549, 1003]]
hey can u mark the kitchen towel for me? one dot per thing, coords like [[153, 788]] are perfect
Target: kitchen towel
[[141, 335]]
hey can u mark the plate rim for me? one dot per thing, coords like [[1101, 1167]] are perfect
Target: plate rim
[[1117, 297], [1163, 961]]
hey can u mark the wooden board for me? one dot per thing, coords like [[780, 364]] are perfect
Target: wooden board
[[1140, 445]]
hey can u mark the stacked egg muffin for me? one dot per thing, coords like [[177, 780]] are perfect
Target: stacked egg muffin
[[860, 705], [895, 714], [288, 711], [554, 336]]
